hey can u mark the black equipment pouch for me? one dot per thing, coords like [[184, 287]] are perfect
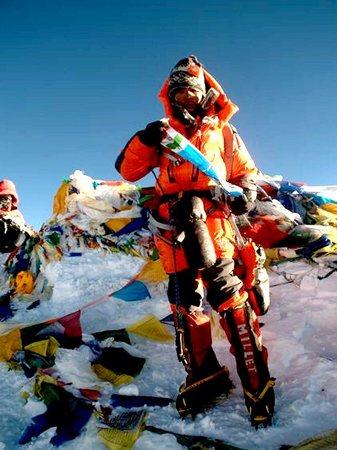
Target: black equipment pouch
[[189, 216]]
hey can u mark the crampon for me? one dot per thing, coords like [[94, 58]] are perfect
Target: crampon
[[261, 406], [201, 395]]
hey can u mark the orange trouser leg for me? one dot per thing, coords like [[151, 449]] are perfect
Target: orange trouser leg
[[193, 329], [243, 332], [194, 342], [242, 329]]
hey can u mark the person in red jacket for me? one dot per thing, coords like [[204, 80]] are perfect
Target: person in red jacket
[[195, 239], [13, 230]]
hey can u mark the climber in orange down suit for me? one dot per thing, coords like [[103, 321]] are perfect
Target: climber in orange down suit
[[195, 239]]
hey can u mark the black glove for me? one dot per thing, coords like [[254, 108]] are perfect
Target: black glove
[[153, 133], [240, 205], [9, 234]]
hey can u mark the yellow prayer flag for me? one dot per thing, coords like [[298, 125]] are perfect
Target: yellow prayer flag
[[46, 347], [116, 379], [150, 327], [152, 272], [60, 199], [9, 344], [117, 224]]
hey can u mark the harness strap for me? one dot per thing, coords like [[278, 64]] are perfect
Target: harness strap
[[155, 224], [209, 194], [171, 157]]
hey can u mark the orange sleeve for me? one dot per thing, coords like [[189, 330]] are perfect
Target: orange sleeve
[[136, 160]]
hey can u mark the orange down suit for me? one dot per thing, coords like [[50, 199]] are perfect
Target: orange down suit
[[222, 146]]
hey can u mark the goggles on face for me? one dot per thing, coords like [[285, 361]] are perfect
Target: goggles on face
[[187, 92]]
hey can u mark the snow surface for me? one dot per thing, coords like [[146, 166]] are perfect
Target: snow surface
[[300, 333]]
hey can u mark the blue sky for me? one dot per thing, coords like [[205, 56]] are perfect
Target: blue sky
[[79, 77]]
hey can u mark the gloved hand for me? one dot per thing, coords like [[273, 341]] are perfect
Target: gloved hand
[[153, 133], [240, 205]]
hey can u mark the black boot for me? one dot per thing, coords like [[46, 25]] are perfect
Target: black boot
[[261, 405], [204, 387]]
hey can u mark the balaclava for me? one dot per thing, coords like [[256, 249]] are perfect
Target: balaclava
[[187, 73]]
